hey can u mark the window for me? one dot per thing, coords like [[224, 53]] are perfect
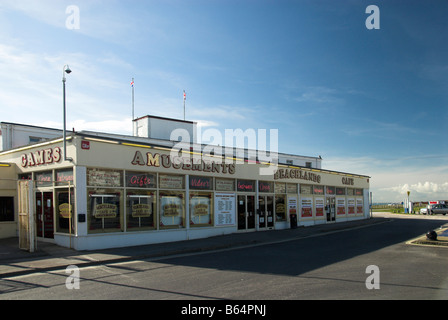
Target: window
[[104, 210], [201, 209], [308, 164], [172, 209], [6, 209], [280, 207], [140, 208], [64, 211]]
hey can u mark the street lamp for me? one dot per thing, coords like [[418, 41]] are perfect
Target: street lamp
[[65, 70]]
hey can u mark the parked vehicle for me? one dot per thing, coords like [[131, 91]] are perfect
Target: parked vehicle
[[424, 210], [438, 209]]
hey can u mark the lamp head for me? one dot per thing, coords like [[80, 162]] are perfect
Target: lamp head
[[67, 70]]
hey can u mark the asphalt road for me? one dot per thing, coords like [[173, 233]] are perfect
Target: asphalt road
[[330, 266]]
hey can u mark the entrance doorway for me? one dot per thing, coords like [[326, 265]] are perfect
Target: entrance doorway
[[246, 212], [330, 208], [266, 212], [44, 215]]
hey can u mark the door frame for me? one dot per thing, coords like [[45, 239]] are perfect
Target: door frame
[[330, 208], [45, 195], [264, 213], [247, 219]]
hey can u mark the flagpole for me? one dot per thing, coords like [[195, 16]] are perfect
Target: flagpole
[[133, 99], [185, 97]]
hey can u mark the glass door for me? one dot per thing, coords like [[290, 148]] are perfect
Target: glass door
[[45, 215], [246, 212], [331, 209], [266, 212]]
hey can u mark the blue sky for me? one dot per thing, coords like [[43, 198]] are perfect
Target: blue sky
[[372, 102]]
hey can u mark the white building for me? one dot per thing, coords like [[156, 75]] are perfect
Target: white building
[[117, 190]]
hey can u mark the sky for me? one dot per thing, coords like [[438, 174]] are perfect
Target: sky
[[365, 90]]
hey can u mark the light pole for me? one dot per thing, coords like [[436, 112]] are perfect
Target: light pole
[[65, 70]]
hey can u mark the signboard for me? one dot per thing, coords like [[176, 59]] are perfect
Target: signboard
[[105, 210], [140, 180], [171, 182], [246, 185], [225, 185], [201, 183], [106, 178], [224, 209]]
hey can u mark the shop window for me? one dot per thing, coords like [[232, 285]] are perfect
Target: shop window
[[280, 207], [340, 191], [6, 209], [318, 190], [105, 211], [330, 190], [172, 209], [140, 208], [64, 212], [201, 209]]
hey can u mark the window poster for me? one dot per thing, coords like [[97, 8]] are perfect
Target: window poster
[[359, 206], [292, 205], [320, 205], [200, 210], [225, 209], [351, 205], [171, 210], [307, 207], [340, 203]]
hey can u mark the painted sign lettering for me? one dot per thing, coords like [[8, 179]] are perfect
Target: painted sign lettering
[[166, 161], [41, 157]]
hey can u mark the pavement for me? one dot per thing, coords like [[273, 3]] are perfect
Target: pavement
[[50, 257]]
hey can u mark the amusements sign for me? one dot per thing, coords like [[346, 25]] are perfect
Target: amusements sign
[[224, 209]]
